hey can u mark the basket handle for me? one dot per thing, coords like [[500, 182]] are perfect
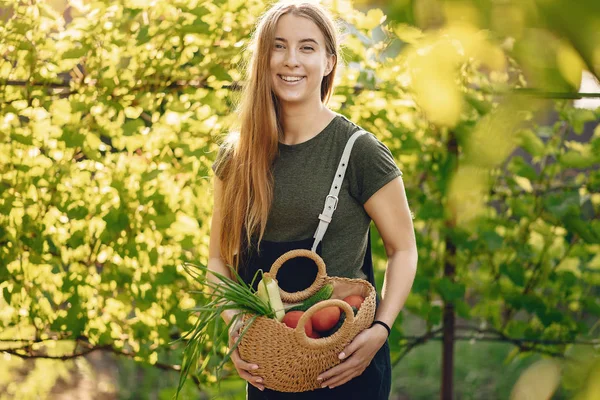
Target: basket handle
[[312, 289], [324, 342]]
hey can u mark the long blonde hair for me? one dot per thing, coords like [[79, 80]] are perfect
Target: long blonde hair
[[247, 176]]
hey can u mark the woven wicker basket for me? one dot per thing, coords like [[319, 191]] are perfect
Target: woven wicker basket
[[288, 360]]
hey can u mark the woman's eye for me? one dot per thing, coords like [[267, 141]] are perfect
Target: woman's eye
[[306, 48]]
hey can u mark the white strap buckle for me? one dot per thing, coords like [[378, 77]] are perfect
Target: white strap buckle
[[334, 204]]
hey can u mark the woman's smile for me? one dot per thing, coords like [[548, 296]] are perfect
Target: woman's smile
[[291, 80]]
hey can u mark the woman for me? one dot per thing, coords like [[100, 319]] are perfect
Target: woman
[[274, 177]]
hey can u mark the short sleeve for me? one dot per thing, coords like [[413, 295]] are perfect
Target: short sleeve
[[219, 166], [372, 166]]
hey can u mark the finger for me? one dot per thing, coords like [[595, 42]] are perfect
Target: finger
[[233, 336], [340, 379], [255, 381], [241, 364], [339, 369], [351, 348], [234, 330], [245, 374], [259, 387]]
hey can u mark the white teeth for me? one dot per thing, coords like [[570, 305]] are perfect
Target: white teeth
[[291, 78]]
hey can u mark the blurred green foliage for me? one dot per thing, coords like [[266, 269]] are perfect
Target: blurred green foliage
[[105, 186]]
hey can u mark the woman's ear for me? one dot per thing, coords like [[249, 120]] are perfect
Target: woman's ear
[[330, 63]]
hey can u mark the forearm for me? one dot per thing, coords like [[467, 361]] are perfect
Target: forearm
[[398, 280], [217, 265]]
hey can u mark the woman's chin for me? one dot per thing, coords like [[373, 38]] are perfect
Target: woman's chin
[[290, 98]]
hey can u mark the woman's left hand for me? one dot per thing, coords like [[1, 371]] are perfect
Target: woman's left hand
[[357, 356]]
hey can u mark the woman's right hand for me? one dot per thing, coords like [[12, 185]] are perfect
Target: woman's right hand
[[243, 368]]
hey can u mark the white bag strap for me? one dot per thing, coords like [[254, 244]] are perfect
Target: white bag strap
[[331, 200]]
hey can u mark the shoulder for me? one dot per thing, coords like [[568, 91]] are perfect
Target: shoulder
[[371, 165], [345, 128], [366, 145]]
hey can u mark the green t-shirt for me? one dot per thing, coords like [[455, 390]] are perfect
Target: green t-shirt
[[303, 175]]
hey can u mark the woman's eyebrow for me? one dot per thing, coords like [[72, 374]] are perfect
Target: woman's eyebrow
[[301, 41]]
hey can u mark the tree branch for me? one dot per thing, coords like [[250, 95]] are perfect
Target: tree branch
[[503, 337], [18, 352], [414, 342], [483, 335]]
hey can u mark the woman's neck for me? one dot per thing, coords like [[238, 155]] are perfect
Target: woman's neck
[[303, 122]]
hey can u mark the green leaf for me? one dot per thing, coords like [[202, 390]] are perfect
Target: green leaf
[[374, 18], [531, 143], [483, 107], [592, 305], [533, 304], [220, 73], [461, 239], [5, 292], [514, 272], [116, 220], [431, 210], [579, 117], [521, 207], [132, 127], [434, 316], [421, 285], [520, 167], [562, 204], [198, 26], [22, 168], [34, 242], [523, 183], [567, 279], [77, 212], [549, 316], [408, 33], [27, 140], [76, 52], [583, 229], [143, 35], [463, 309], [577, 371], [492, 240], [76, 239], [450, 291], [576, 159]]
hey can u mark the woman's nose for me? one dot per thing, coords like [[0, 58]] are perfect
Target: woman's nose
[[290, 58]]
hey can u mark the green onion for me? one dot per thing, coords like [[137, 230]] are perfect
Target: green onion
[[226, 294]]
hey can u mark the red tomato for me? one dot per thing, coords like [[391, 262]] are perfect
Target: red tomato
[[325, 318], [315, 335], [354, 300], [291, 319]]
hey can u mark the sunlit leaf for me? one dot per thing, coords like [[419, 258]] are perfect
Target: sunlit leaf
[[538, 382]]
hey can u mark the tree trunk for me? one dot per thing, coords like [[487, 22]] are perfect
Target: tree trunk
[[447, 389], [449, 322]]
